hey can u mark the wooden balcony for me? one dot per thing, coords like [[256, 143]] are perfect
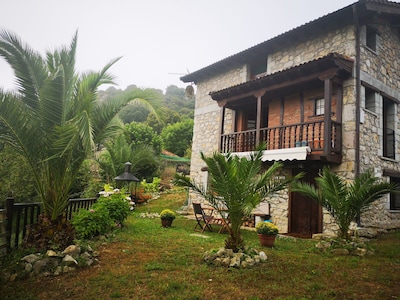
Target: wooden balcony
[[309, 134]]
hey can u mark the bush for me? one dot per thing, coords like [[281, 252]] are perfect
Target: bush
[[93, 222], [151, 187], [167, 214], [267, 228], [118, 208]]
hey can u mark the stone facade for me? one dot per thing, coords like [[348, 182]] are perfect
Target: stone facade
[[379, 70]]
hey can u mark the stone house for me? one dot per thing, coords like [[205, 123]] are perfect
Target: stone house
[[324, 93]]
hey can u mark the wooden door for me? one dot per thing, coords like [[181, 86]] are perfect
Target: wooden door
[[305, 214]]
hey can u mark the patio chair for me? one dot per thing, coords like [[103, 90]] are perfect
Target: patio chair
[[203, 219]]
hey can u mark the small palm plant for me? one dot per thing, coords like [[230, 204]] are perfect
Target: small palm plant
[[237, 184], [344, 201]]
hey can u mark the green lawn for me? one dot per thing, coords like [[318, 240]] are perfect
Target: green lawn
[[146, 261]]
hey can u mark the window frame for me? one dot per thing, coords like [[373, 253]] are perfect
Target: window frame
[[319, 106], [395, 197]]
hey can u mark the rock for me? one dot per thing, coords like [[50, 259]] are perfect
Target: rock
[[13, 277], [72, 250], [226, 262], [68, 260], [322, 236], [28, 267], [323, 245], [235, 262], [217, 262], [340, 252], [58, 271], [31, 258], [360, 252], [263, 256], [51, 253], [41, 265]]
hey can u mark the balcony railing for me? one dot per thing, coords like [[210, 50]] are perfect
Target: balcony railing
[[289, 136]]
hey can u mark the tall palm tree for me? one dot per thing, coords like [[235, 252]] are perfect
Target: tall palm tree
[[54, 119], [344, 200], [238, 185]]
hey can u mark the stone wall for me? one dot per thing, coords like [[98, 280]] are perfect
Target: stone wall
[[381, 67]]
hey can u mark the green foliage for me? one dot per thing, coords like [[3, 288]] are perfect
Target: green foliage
[[343, 200], [92, 222], [267, 228], [238, 185], [167, 214], [117, 206], [151, 187], [54, 119], [16, 179], [177, 137], [145, 163], [141, 134]]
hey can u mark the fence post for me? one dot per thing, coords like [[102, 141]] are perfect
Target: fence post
[[9, 220]]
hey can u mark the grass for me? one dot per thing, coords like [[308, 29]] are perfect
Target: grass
[[146, 261]]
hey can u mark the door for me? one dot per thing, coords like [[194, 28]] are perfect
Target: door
[[305, 214]]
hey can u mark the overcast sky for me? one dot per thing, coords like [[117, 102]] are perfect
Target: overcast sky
[[160, 40]]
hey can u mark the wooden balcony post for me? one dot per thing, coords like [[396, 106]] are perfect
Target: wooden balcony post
[[221, 129], [259, 116], [327, 116]]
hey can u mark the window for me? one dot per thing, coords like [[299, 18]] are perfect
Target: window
[[389, 123], [258, 67], [371, 39], [319, 106], [395, 197]]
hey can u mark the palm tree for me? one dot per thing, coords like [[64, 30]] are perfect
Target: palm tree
[[53, 119], [238, 185], [118, 151], [344, 200]]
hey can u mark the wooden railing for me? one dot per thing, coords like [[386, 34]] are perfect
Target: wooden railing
[[20, 215], [289, 136]]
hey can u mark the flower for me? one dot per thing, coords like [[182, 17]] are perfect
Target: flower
[[167, 214], [267, 228]]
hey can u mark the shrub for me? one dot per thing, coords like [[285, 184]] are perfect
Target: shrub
[[93, 222], [151, 187], [167, 214], [118, 208], [266, 228]]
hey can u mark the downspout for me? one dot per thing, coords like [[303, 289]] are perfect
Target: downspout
[[358, 89], [358, 108]]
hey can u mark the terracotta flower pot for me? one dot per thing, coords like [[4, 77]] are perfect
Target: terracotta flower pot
[[166, 222], [267, 240]]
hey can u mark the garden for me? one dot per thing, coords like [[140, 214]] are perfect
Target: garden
[[143, 260]]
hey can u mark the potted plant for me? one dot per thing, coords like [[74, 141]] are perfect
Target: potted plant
[[267, 232], [167, 216]]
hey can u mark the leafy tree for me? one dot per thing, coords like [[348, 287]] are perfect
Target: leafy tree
[[53, 119], [239, 185], [177, 137], [141, 134], [15, 177], [344, 201]]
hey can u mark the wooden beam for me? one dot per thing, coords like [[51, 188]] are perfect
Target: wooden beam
[[327, 116]]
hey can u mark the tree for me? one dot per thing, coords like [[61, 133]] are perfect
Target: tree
[[344, 201], [53, 119], [141, 134], [239, 185], [177, 137], [118, 151]]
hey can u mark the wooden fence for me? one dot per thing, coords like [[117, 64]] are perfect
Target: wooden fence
[[19, 215]]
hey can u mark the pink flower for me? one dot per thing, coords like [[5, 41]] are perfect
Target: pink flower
[[92, 210]]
